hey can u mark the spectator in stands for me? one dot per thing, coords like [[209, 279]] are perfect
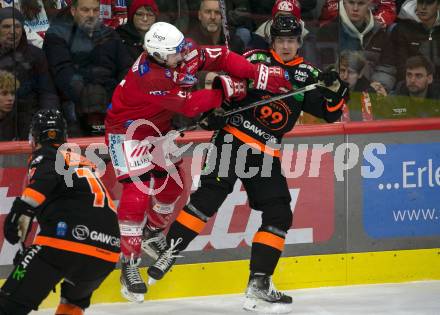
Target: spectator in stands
[[87, 60], [363, 93], [37, 15], [281, 7], [419, 80], [262, 10], [29, 65], [141, 15], [417, 31], [8, 86], [416, 96], [208, 30], [384, 12], [356, 29]]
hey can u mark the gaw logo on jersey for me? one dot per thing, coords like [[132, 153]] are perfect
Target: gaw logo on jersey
[[80, 232]]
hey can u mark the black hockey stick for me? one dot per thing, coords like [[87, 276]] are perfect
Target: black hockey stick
[[272, 99], [307, 88]]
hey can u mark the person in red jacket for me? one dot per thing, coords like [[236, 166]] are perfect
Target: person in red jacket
[[157, 86], [384, 11]]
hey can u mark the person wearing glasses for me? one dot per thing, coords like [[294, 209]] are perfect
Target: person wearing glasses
[[141, 15]]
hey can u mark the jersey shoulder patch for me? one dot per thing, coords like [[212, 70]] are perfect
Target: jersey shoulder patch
[[258, 55], [36, 160], [305, 66]]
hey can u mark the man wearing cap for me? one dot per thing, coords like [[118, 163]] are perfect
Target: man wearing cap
[[261, 37], [141, 15], [29, 64]]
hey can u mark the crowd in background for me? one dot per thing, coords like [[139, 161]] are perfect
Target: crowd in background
[[71, 54]]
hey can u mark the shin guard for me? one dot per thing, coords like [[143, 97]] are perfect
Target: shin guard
[[267, 247]]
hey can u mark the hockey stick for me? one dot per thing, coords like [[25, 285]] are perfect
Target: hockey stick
[[224, 22], [307, 88], [272, 99]]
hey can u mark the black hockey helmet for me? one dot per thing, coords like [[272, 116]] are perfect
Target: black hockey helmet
[[48, 126], [285, 25]]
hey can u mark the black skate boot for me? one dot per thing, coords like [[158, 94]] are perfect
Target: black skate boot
[[164, 263], [154, 242], [133, 287], [262, 296]]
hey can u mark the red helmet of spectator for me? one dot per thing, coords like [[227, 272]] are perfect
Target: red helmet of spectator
[[136, 4], [288, 6]]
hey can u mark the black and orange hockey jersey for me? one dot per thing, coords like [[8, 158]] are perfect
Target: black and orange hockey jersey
[[264, 126], [73, 207]]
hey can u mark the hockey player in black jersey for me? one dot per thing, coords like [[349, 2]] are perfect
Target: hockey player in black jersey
[[79, 239], [260, 128]]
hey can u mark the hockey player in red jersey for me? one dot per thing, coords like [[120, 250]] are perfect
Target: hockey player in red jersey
[[78, 240], [259, 129], [158, 86]]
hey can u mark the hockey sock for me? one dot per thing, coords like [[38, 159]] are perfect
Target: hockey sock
[[68, 309], [187, 226], [267, 246]]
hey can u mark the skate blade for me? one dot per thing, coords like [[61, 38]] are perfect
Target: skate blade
[[151, 281], [264, 307], [132, 297], [149, 251]]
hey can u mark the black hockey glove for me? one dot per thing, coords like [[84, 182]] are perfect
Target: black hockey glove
[[333, 89], [213, 120], [18, 221]]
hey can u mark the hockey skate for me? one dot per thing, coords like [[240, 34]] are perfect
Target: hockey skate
[[164, 263], [263, 297], [133, 288], [154, 242]]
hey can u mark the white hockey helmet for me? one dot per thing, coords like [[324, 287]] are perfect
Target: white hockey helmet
[[163, 39]]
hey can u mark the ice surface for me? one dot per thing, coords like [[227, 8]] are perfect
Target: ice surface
[[413, 298]]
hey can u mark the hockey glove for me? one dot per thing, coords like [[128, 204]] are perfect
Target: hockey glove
[[185, 74], [272, 79], [233, 88], [213, 120], [333, 89], [18, 221]]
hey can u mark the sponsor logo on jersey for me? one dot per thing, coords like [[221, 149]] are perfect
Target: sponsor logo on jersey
[[191, 55], [259, 132], [300, 75], [61, 229], [135, 66], [236, 120], [104, 238], [115, 141], [158, 93], [306, 66], [168, 73], [144, 68], [80, 232], [20, 272], [37, 160]]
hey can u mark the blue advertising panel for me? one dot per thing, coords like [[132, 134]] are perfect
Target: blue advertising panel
[[403, 199]]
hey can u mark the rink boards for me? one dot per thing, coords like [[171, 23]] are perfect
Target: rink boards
[[365, 202]]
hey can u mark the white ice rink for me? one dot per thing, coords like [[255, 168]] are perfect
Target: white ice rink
[[415, 298]]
